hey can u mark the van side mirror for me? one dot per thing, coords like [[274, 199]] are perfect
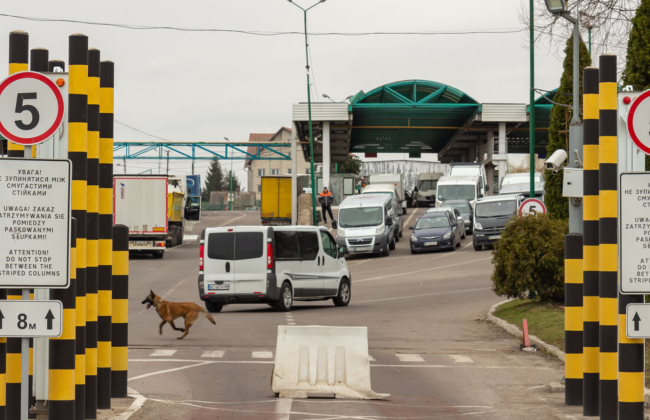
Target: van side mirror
[[341, 251], [487, 187], [480, 196], [411, 227], [389, 222]]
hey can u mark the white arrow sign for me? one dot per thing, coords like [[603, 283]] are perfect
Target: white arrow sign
[[30, 318], [638, 320]]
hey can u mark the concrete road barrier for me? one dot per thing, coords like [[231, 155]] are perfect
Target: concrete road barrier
[[317, 360]]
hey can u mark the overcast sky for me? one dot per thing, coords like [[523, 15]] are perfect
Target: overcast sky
[[203, 86]]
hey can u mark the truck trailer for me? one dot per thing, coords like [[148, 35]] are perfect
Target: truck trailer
[[277, 199]]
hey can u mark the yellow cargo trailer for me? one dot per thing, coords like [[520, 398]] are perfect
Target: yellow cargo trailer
[[276, 200]]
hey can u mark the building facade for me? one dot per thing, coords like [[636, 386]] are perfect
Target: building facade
[[258, 168]]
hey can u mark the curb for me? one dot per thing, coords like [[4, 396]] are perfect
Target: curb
[[515, 331]]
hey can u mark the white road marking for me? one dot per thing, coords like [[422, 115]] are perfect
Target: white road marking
[[423, 295], [214, 354], [232, 220], [466, 246], [291, 323], [458, 358], [420, 271], [283, 408], [372, 359], [463, 367], [138, 402], [262, 355], [409, 357], [190, 238], [169, 370], [162, 353]]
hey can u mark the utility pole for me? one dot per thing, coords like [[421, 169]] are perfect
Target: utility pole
[[124, 160], [167, 162], [532, 98]]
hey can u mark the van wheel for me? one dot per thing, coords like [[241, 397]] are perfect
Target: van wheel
[[285, 303], [464, 235], [478, 247], [392, 245], [401, 232], [345, 293], [386, 251], [397, 237], [404, 211], [213, 306]]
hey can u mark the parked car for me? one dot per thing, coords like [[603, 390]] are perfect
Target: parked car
[[491, 215], [457, 216], [368, 224], [466, 211], [273, 265], [435, 230]]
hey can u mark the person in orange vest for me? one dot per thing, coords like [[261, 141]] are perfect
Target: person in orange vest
[[325, 199]]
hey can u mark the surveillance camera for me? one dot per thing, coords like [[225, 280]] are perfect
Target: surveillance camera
[[556, 162]]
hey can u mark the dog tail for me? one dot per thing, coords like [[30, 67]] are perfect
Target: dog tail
[[207, 315]]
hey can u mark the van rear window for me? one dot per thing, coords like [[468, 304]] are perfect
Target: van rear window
[[309, 246], [249, 245], [287, 246], [221, 246]]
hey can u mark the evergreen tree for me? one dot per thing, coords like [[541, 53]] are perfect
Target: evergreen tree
[[637, 69], [235, 181], [351, 166], [558, 206], [213, 181]]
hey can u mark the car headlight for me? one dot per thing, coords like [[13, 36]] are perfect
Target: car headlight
[[340, 233], [478, 226], [414, 238], [380, 230], [447, 235]]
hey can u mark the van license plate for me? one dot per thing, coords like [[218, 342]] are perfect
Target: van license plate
[[430, 243], [218, 287], [495, 237], [363, 249]]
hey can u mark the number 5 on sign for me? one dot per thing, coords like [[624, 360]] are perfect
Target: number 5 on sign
[[31, 108]]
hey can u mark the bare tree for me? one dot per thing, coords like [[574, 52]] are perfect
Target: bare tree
[[610, 22]]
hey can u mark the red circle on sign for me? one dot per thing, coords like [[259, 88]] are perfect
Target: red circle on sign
[[59, 114], [534, 200], [630, 120]]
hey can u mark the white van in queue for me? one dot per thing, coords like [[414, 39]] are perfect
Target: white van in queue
[[368, 224], [458, 188], [274, 265]]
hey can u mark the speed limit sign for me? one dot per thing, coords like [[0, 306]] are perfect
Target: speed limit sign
[[31, 108], [532, 206]]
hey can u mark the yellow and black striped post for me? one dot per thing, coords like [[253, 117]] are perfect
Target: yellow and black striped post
[[590, 291], [18, 61], [61, 375], [573, 318], [93, 234], [105, 271], [3, 368], [18, 56], [608, 249], [120, 343], [78, 154], [54, 64]]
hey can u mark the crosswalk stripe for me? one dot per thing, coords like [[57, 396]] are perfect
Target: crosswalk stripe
[[409, 357], [262, 355], [213, 354], [162, 353], [372, 359], [460, 358]]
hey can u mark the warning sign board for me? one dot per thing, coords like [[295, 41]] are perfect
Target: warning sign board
[[634, 231], [34, 223]]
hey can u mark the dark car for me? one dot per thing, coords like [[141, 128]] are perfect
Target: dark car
[[491, 216], [466, 211], [435, 231]]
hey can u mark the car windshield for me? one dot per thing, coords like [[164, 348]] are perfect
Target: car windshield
[[431, 222], [462, 207], [427, 185], [496, 208], [456, 192], [361, 216]]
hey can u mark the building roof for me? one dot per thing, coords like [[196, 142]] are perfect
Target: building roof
[[259, 138]]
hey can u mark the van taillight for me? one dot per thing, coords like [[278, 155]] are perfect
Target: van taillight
[[269, 256], [201, 258]]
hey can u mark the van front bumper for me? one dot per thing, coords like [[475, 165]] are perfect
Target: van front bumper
[[485, 238], [377, 245]]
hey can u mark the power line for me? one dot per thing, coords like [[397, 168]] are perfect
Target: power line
[[269, 33]]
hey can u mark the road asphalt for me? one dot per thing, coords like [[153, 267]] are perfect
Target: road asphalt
[[431, 346]]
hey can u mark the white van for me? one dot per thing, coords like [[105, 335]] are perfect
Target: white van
[[274, 265], [398, 205], [426, 188], [471, 169], [458, 188], [368, 224]]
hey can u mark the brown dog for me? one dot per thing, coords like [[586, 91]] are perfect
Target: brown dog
[[169, 311]]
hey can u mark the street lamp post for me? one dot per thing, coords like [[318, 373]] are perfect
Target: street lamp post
[[232, 204], [532, 99], [311, 136]]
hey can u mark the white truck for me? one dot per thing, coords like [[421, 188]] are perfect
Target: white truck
[[426, 188], [471, 169], [140, 202], [395, 180]]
